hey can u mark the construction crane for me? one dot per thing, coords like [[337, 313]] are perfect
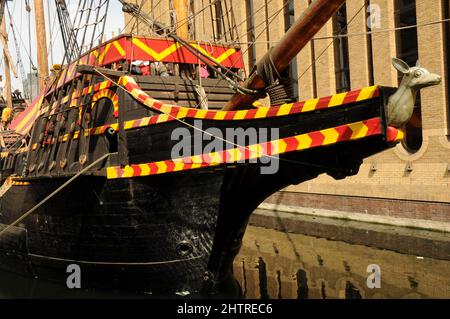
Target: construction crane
[[26, 89]]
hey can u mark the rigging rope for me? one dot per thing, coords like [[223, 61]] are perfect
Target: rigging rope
[[32, 67], [132, 9], [349, 35], [272, 17], [67, 30], [46, 199], [26, 90], [259, 153], [366, 2]]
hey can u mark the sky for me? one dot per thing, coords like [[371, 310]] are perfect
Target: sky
[[114, 24]]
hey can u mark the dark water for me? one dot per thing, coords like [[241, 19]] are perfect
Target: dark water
[[13, 286], [277, 264]]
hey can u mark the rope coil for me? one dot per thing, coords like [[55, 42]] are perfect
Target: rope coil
[[279, 86]]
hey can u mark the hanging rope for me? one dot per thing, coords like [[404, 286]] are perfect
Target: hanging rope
[[32, 67], [276, 91], [212, 63], [260, 153], [67, 30], [343, 30], [46, 199]]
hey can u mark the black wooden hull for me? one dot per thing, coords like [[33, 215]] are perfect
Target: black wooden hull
[[133, 222], [152, 234], [163, 234]]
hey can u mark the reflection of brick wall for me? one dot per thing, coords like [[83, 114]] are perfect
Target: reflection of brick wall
[[290, 266], [432, 211]]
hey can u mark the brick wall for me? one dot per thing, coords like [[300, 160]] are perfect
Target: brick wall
[[429, 179], [432, 211]]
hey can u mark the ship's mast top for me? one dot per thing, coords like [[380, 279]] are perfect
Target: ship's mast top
[[6, 56], [181, 10], [41, 40]]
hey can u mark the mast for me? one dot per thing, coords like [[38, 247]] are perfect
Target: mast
[[2, 9], [303, 30], [181, 10], [41, 39], [6, 67]]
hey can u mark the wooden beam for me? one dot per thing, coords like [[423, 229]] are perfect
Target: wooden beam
[[6, 68], [181, 9], [90, 69], [6, 53], [41, 40]]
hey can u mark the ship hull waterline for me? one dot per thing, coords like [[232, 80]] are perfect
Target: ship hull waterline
[[158, 234]]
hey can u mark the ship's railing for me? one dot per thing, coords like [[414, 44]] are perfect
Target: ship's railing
[[12, 141], [127, 48]]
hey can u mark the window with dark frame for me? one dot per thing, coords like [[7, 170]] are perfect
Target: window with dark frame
[[369, 46], [446, 8], [408, 51], [341, 55], [250, 33], [289, 19]]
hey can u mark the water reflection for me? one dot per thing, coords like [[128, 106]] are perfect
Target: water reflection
[[284, 265], [274, 264], [13, 286]]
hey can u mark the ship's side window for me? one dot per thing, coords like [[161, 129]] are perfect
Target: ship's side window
[[341, 56], [407, 50], [102, 114]]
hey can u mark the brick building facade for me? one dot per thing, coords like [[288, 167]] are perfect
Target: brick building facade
[[410, 181]]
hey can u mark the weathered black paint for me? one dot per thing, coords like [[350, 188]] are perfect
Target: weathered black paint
[[129, 233]]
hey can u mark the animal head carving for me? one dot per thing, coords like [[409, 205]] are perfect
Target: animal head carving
[[401, 103], [416, 77]]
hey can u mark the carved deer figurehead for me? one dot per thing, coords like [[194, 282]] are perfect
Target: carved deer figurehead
[[401, 103]]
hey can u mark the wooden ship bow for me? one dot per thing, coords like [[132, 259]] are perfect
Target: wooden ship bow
[[144, 171]]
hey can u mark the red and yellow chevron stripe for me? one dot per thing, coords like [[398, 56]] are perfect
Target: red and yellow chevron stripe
[[349, 132], [23, 123], [177, 112], [109, 95], [126, 47], [93, 131], [19, 151], [100, 130], [166, 50], [172, 112], [11, 181], [94, 88]]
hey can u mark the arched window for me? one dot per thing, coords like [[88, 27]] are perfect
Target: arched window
[[289, 19], [341, 53], [446, 8], [407, 50]]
